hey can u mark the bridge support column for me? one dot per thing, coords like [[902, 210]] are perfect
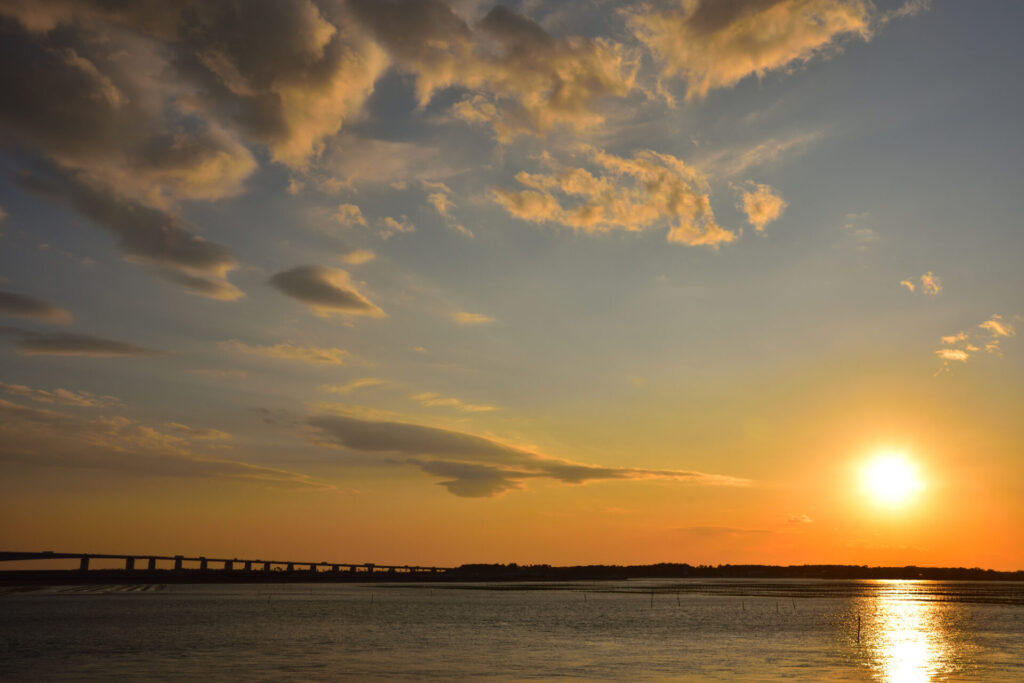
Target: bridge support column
[[266, 566], [202, 564], [152, 564], [83, 564], [335, 568], [291, 567], [228, 565], [312, 569], [129, 563], [248, 566], [177, 562]]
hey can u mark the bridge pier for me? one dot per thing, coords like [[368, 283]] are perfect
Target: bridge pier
[[312, 569], [248, 565], [266, 566], [228, 565], [83, 564], [152, 564], [291, 567], [202, 564], [177, 562], [129, 564]]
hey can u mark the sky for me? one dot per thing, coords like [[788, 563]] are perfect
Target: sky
[[435, 282]]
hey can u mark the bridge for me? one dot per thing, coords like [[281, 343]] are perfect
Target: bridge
[[246, 569]]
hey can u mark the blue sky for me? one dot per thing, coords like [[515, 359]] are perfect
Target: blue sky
[[354, 250]]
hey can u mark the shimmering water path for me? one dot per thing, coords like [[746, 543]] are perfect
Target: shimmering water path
[[898, 631]]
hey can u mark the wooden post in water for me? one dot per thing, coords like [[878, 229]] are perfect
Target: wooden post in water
[[858, 629]]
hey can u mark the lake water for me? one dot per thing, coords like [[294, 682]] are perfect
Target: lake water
[[899, 631]]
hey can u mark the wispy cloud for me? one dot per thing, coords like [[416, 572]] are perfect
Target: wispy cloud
[[29, 343], [315, 355], [326, 290], [60, 396], [477, 466], [354, 385], [358, 257], [21, 306], [733, 161], [36, 438], [465, 318], [431, 399]]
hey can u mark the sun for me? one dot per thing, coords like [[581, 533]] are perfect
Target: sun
[[891, 478]]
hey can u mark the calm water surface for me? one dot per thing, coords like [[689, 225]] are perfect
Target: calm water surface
[[898, 631]]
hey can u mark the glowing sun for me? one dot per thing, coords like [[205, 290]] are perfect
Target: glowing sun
[[891, 478]]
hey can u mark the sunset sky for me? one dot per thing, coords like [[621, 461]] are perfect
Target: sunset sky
[[570, 281]]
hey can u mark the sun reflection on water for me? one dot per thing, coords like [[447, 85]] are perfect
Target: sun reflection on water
[[905, 635]]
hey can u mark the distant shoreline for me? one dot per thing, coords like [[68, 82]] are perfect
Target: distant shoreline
[[510, 573]]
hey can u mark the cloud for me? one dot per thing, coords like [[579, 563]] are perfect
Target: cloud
[[201, 434], [350, 161], [988, 335], [358, 257], [930, 284], [389, 226], [855, 227], [326, 290], [629, 194], [761, 204], [60, 396], [21, 306], [348, 214], [354, 385], [35, 438], [434, 400], [733, 161], [715, 44], [475, 466], [71, 344], [146, 234], [307, 354], [910, 286], [522, 80], [442, 203], [284, 75], [799, 519], [464, 318]]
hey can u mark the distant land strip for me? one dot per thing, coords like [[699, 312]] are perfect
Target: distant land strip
[[234, 571]]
